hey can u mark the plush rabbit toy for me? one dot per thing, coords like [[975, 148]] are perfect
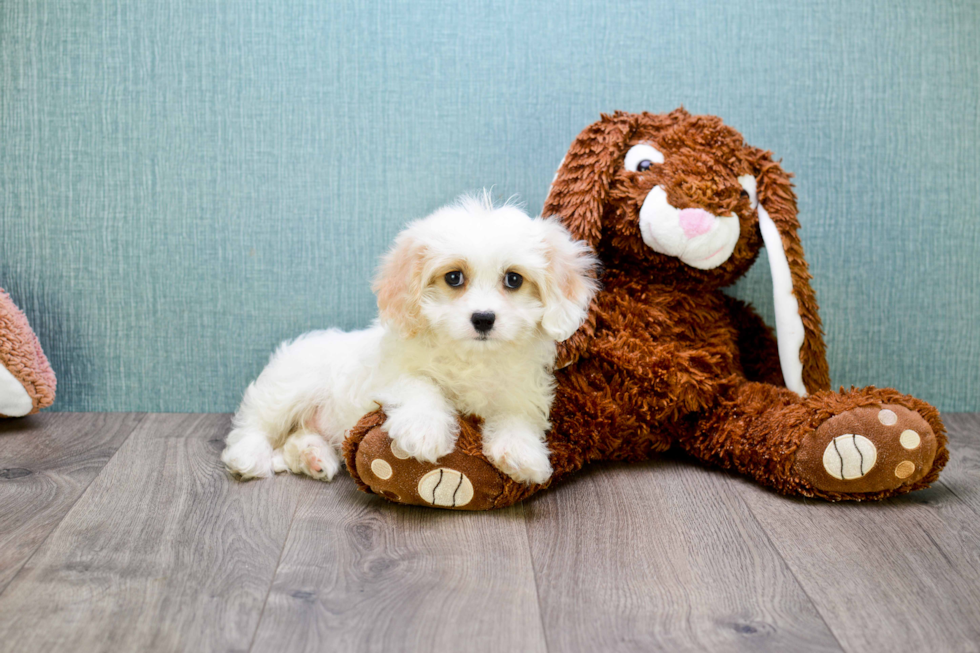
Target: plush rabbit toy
[[677, 207], [26, 380]]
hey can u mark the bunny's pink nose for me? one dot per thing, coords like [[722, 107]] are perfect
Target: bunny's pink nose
[[695, 222]]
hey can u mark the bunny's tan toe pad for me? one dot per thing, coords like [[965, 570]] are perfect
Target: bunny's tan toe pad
[[456, 482], [870, 449]]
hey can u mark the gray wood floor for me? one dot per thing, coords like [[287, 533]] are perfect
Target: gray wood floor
[[121, 532]]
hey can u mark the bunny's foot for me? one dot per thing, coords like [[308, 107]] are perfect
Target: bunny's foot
[[461, 480], [868, 450], [456, 481]]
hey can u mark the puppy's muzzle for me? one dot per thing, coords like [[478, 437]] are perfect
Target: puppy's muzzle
[[483, 322]]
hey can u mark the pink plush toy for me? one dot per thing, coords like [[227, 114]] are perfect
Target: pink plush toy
[[26, 379]]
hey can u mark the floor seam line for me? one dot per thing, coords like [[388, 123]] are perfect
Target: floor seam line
[[789, 568], [47, 536], [949, 489], [534, 577], [275, 572]]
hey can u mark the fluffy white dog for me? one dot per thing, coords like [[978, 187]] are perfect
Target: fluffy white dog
[[472, 300]]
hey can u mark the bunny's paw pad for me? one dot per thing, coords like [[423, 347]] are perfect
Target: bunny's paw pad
[[870, 449], [457, 481]]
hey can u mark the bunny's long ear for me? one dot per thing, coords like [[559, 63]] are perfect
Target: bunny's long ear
[[578, 193], [802, 354], [577, 197]]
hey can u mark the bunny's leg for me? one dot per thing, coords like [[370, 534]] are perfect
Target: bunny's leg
[[864, 444], [591, 419]]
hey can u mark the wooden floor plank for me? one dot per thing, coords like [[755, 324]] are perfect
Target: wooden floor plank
[[361, 574], [962, 474], [46, 462], [897, 575], [162, 552], [663, 556]]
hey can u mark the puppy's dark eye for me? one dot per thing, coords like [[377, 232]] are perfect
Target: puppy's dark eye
[[744, 194], [644, 165], [513, 281], [454, 278]]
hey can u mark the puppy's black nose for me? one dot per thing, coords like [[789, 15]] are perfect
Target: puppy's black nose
[[483, 322]]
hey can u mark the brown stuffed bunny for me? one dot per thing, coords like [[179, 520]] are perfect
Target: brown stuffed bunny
[[677, 207]]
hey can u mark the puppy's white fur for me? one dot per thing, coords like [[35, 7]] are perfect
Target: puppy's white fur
[[423, 360]]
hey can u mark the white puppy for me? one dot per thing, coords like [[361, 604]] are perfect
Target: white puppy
[[472, 300]]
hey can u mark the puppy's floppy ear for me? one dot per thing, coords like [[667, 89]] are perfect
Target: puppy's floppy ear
[[578, 193], [399, 284], [570, 281], [802, 354]]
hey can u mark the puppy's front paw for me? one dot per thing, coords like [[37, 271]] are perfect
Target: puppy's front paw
[[522, 456], [425, 435]]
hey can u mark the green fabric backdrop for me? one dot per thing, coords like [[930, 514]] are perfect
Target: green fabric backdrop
[[184, 184]]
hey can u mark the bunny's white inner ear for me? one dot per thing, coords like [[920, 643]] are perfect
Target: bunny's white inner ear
[[555, 178], [14, 400], [748, 183], [789, 324]]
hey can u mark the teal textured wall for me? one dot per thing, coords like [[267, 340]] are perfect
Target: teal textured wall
[[183, 184]]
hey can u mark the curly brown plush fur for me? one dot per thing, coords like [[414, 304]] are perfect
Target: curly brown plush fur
[[666, 359], [22, 357]]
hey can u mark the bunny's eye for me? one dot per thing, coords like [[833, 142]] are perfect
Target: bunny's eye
[[642, 157]]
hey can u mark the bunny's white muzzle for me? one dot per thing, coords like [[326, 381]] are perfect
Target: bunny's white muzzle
[[695, 236]]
